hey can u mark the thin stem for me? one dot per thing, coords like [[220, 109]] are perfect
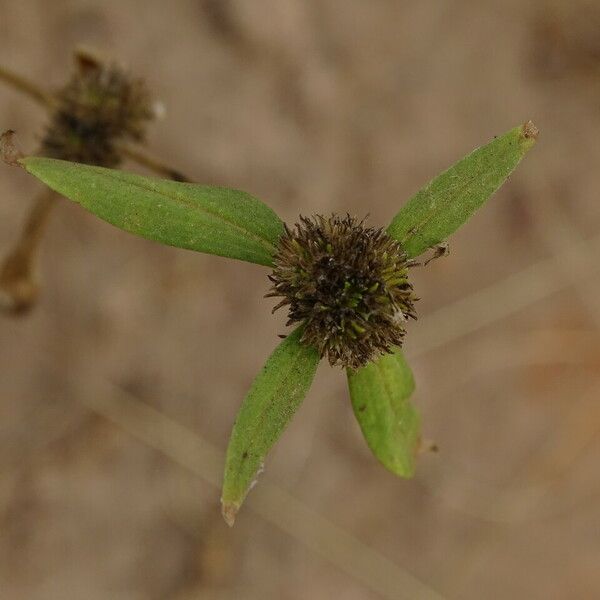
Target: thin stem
[[18, 285], [26, 87], [152, 163], [38, 219]]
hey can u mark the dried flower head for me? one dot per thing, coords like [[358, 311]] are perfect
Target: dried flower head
[[99, 106], [348, 284]]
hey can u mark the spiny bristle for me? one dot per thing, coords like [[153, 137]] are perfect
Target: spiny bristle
[[348, 285], [98, 107]]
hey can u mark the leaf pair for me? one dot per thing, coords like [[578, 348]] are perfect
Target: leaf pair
[[232, 224]]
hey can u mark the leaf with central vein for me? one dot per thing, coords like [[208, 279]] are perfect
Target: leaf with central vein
[[449, 200], [380, 395], [207, 219], [272, 401]]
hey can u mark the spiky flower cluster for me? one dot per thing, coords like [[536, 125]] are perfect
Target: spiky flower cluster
[[99, 106], [348, 285]]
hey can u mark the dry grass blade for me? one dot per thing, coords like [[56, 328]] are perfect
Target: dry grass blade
[[274, 505], [574, 265], [497, 301]]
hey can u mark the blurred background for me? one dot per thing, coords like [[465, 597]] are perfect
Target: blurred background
[[117, 394]]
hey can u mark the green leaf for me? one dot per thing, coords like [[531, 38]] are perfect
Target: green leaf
[[380, 395], [274, 397], [449, 200], [208, 219]]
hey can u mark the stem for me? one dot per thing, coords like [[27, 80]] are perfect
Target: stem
[[26, 87], [153, 164], [18, 285]]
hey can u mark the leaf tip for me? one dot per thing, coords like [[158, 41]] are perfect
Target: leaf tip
[[229, 511], [530, 131]]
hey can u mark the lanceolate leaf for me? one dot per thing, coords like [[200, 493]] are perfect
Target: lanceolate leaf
[[380, 395], [450, 199], [274, 397], [208, 219]]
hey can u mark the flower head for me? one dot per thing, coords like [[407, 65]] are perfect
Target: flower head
[[347, 284], [100, 105]]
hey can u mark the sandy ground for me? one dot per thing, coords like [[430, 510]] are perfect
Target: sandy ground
[[313, 106]]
